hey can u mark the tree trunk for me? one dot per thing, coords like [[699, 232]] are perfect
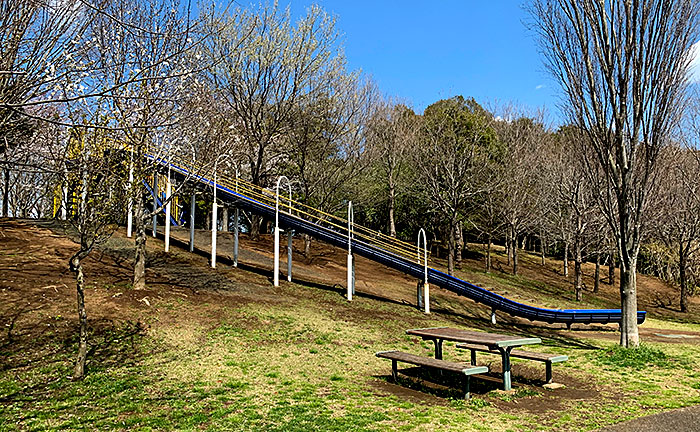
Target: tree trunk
[[566, 259], [6, 193], [208, 218], [451, 249], [542, 243], [682, 265], [578, 274], [392, 201], [139, 281], [79, 369], [488, 253], [515, 253], [224, 219], [611, 268], [508, 248], [307, 245], [629, 332], [596, 275], [255, 223], [459, 245]]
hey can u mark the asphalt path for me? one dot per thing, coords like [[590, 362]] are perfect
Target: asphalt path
[[679, 420]]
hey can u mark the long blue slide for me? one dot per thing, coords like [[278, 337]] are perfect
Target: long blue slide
[[377, 254]]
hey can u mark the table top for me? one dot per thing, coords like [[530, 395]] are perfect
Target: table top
[[469, 336]]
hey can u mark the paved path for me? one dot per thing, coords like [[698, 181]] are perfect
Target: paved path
[[680, 420]]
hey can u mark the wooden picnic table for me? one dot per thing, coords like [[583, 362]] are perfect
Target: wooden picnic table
[[503, 343]]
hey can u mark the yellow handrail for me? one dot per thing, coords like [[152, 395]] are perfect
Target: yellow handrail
[[295, 208]]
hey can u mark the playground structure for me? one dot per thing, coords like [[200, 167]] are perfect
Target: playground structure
[[295, 217]]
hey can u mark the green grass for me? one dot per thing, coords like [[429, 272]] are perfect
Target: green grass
[[637, 358], [305, 361]]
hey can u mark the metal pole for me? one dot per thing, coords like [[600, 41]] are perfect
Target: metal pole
[[213, 225], [130, 206], [192, 209], [276, 275], [64, 206], [155, 202], [426, 285], [235, 240], [168, 191], [351, 261], [290, 233], [235, 230]]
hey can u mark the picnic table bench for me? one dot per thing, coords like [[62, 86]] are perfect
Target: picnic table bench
[[547, 359], [461, 368], [502, 344]]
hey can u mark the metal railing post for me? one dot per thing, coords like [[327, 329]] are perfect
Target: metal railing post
[[213, 225], [155, 202], [426, 285], [168, 191], [235, 229], [351, 261], [130, 205], [276, 275], [193, 206]]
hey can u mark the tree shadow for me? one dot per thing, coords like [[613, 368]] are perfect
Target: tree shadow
[[110, 345]]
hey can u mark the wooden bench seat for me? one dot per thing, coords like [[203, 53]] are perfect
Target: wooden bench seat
[[461, 368], [547, 359]]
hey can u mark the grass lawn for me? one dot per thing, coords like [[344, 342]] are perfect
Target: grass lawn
[[299, 358]]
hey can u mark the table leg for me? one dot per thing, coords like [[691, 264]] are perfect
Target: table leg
[[505, 359], [438, 348]]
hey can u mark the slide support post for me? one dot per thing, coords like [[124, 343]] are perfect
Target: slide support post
[[235, 238], [193, 206], [168, 191], [214, 223], [426, 285], [351, 261], [276, 270], [155, 202]]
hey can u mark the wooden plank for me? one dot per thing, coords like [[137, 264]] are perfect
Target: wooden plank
[[463, 368], [528, 355], [483, 338]]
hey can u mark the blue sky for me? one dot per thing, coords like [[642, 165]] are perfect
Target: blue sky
[[425, 51]]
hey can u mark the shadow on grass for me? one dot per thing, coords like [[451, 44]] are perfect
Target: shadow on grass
[[52, 356], [442, 384]]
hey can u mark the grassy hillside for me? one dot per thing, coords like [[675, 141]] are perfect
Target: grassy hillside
[[224, 350]]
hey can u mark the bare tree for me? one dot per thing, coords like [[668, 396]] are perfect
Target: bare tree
[[325, 147], [623, 67], [264, 65], [576, 195], [98, 177], [455, 143], [679, 197], [392, 133], [140, 53], [521, 137]]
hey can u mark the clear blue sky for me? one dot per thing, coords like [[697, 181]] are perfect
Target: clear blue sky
[[424, 51]]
